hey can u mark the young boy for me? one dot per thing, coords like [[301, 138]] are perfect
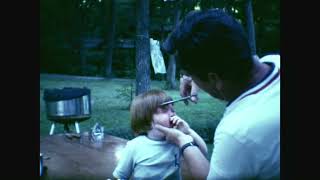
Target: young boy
[[149, 155]]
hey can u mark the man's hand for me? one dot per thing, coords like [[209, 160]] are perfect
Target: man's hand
[[174, 135], [187, 88]]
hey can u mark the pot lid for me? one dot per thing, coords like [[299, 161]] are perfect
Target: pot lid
[[64, 94]]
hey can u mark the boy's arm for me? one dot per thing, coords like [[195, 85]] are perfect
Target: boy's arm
[[183, 126], [196, 162], [199, 141], [124, 166]]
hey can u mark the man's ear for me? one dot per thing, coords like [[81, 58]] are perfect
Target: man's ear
[[215, 80]]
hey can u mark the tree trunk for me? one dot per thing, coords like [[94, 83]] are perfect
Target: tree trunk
[[250, 26], [77, 35], [83, 57], [142, 47], [110, 38], [171, 71]]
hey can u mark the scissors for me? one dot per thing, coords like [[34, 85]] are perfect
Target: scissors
[[173, 101]]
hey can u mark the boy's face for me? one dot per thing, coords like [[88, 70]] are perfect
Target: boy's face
[[163, 114]]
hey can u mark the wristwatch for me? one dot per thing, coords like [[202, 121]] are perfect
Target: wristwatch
[[187, 145]]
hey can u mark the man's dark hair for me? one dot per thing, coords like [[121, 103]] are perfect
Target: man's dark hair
[[211, 41]]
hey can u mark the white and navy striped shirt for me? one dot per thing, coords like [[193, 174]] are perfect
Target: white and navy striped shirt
[[247, 139]]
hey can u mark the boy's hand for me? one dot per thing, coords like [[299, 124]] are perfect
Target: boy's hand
[[175, 136], [178, 123]]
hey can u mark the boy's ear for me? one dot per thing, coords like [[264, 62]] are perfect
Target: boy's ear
[[152, 124]]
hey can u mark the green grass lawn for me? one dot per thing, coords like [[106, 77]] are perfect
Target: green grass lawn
[[112, 111]]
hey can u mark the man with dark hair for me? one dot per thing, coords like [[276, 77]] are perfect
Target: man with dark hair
[[213, 51]]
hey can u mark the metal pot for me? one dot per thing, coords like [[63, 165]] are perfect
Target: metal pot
[[76, 108]]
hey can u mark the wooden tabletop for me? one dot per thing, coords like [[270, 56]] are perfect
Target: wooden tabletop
[[80, 158]]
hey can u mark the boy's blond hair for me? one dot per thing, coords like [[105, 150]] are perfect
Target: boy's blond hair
[[143, 107]]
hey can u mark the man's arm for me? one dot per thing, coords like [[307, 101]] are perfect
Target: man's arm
[[196, 162]]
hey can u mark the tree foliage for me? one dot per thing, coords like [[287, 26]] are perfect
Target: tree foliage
[[64, 25]]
